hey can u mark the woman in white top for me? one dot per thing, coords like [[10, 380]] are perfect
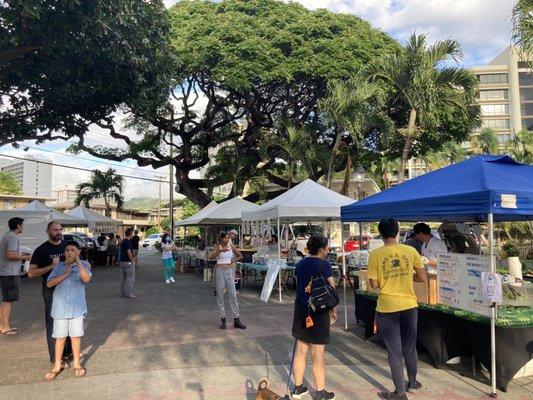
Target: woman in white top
[[226, 254], [169, 267]]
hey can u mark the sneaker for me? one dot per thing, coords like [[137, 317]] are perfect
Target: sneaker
[[391, 396], [414, 387], [324, 395], [167, 281], [299, 392], [172, 279]]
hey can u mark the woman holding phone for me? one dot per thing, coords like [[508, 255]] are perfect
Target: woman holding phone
[[225, 254]]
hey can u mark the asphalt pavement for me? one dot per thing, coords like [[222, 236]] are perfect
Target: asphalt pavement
[[166, 345]]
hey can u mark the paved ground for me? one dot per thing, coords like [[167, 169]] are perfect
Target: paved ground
[[165, 345]]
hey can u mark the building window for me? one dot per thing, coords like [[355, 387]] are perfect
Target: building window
[[526, 109], [524, 64], [495, 109], [493, 78], [527, 123], [525, 79], [493, 94], [526, 94], [502, 139], [496, 123]]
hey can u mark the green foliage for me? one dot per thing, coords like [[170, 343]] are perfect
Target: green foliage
[[165, 223], [486, 142], [8, 184], [141, 203], [520, 147], [434, 94], [523, 27], [66, 64], [102, 185], [151, 230], [189, 208], [510, 249]]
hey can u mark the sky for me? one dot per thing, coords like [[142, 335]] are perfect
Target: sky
[[482, 27]]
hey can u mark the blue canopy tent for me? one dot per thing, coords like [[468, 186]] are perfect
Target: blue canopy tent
[[466, 191], [482, 189]]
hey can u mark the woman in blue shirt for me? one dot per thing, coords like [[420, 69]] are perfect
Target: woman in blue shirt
[[313, 337]]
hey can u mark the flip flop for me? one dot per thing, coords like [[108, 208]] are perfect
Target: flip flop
[[51, 375], [80, 372], [10, 332]]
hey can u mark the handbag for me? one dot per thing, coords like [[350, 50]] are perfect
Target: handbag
[[323, 297]]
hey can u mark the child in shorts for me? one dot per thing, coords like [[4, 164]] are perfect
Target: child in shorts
[[69, 306]]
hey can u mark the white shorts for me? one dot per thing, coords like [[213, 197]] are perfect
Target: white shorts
[[72, 327]]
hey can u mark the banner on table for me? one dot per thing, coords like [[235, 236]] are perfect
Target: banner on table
[[270, 280]]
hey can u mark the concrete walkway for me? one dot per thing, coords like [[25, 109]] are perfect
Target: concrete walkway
[[166, 344]]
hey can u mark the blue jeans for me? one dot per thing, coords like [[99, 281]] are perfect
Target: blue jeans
[[169, 267], [398, 331]]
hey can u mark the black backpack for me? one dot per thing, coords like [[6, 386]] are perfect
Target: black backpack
[[323, 297]]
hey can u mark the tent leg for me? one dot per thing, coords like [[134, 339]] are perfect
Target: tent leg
[[345, 309], [279, 263], [493, 312]]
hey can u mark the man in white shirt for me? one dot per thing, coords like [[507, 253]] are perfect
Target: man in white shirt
[[431, 245]]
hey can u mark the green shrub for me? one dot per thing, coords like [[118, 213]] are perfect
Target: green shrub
[[510, 249]]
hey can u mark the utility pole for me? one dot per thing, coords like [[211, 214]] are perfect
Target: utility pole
[[171, 189], [158, 177]]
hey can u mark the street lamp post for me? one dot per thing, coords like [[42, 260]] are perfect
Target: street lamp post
[[359, 178]]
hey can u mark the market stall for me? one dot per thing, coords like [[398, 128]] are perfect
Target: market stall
[[54, 215], [97, 223], [307, 202], [481, 189]]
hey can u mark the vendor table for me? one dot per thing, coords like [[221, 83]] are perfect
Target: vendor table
[[287, 270], [446, 333]]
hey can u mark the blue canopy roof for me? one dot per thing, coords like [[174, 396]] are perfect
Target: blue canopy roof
[[466, 191]]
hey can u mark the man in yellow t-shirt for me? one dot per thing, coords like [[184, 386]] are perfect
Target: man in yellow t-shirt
[[392, 269]]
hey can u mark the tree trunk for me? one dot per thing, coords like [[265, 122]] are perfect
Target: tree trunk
[[336, 146], [193, 193], [407, 145], [107, 208], [291, 173], [346, 182]]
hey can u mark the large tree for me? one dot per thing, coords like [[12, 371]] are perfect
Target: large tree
[[242, 67], [66, 64], [103, 185], [434, 92], [8, 184], [523, 27]]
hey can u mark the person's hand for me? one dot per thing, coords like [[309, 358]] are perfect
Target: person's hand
[[27, 257], [333, 313], [68, 271], [55, 262], [308, 288]]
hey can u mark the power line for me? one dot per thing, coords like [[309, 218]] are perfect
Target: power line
[[96, 161], [80, 168]]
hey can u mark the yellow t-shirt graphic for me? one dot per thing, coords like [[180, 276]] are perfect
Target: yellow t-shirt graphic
[[393, 266]]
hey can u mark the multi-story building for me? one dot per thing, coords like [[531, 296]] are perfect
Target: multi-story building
[[506, 94], [32, 174], [13, 201], [65, 195]]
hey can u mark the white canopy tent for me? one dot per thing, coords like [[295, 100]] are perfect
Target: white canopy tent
[[96, 222], [54, 215], [193, 220], [307, 201], [227, 213]]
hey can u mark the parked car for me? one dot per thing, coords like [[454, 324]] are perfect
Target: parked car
[[459, 238], [70, 236], [352, 243], [90, 242], [151, 240]]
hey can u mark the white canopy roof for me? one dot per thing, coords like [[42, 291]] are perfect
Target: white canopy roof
[[97, 222], [228, 212], [307, 201], [196, 218], [62, 218]]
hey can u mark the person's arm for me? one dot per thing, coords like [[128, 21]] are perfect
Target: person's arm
[[420, 272], [328, 272], [35, 271], [55, 278], [216, 251], [85, 274], [11, 250], [237, 253], [373, 272]]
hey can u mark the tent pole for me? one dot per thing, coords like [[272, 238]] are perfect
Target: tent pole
[[279, 262], [344, 279], [493, 311]]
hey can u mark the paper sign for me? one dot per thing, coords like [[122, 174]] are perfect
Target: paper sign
[[270, 280], [460, 283], [492, 288], [508, 201]]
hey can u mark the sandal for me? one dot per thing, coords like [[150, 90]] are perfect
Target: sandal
[[51, 375], [10, 332], [80, 372]]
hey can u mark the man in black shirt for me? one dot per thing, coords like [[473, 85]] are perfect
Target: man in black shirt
[[135, 247], [43, 261]]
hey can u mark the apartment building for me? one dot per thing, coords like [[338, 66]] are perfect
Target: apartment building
[[33, 176]]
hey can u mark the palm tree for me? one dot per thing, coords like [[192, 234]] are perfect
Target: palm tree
[[384, 169], [485, 143], [520, 147], [523, 27], [297, 147], [353, 107], [104, 185], [451, 152], [425, 85]]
